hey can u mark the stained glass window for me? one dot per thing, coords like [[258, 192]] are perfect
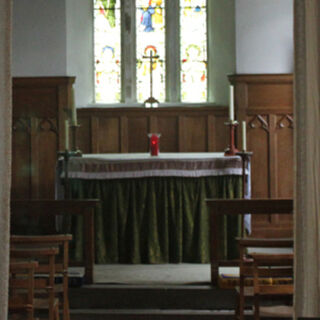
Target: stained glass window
[[141, 37], [107, 50], [150, 42], [193, 46]]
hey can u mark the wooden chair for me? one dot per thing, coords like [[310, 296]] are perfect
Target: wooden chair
[[280, 265], [61, 267], [44, 283], [266, 276], [21, 289], [220, 207]]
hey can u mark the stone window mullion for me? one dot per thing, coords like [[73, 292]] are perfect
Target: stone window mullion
[[172, 51], [128, 51]]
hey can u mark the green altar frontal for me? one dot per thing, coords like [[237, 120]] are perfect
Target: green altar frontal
[[153, 208]]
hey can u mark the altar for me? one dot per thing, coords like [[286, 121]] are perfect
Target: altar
[[153, 207]]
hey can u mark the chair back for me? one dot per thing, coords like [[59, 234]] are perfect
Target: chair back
[[21, 288]]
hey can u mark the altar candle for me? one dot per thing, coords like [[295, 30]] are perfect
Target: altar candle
[[231, 105], [66, 132], [73, 109], [244, 136]]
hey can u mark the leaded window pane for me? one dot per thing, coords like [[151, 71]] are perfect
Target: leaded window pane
[[150, 38], [107, 50], [193, 50]]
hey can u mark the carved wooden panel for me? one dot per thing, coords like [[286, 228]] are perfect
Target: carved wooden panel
[[265, 102], [258, 140], [38, 133], [21, 158]]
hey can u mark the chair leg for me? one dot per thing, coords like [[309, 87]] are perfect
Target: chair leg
[[256, 307], [237, 309], [66, 308], [30, 313], [56, 312], [241, 299]]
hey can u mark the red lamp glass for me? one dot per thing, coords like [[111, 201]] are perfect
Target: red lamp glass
[[154, 139]]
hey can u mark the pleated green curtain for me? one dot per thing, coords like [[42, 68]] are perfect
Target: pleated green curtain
[[155, 220]]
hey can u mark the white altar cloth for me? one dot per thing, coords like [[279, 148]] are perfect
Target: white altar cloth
[[140, 165]]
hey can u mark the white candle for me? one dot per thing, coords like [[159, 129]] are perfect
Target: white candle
[[66, 132], [73, 109], [231, 104], [244, 136]]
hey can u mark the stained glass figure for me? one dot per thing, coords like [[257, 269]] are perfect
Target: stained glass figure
[[193, 46], [150, 35], [107, 50]]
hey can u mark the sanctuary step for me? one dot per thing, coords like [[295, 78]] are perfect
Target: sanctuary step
[[191, 297], [151, 302], [133, 302], [135, 314]]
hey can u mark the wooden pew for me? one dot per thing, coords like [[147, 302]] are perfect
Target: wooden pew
[[220, 207], [49, 208]]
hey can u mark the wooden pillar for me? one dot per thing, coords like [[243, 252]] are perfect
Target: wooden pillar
[[307, 158]]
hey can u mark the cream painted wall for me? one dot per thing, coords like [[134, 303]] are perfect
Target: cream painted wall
[[79, 49], [264, 36], [39, 38], [221, 54]]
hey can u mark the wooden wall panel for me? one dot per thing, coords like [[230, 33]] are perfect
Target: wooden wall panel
[[182, 129], [266, 103], [168, 126], [44, 98], [138, 129], [259, 95], [220, 131], [193, 134], [109, 135], [83, 135]]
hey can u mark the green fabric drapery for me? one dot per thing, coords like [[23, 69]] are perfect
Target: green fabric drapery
[[155, 220]]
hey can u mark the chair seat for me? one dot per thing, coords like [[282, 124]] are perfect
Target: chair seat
[[248, 291], [20, 306], [276, 311], [40, 303], [231, 282]]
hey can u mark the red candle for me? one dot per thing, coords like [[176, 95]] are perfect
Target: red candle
[[154, 144]]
